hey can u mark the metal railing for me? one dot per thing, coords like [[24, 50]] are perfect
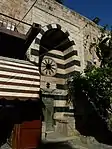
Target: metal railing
[[7, 24]]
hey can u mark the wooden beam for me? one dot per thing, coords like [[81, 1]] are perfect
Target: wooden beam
[[31, 34], [3, 30]]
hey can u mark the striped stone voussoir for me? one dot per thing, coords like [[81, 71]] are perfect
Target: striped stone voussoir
[[33, 51], [44, 30]]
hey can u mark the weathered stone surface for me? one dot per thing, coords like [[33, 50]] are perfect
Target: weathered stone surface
[[45, 12], [5, 146]]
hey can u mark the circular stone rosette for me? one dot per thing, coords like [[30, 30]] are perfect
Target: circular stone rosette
[[48, 67]]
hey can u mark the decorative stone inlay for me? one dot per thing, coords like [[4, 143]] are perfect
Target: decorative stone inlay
[[48, 67]]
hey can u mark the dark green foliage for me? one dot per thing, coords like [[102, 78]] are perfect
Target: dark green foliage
[[103, 47], [91, 96], [91, 93], [59, 1], [96, 20], [96, 87]]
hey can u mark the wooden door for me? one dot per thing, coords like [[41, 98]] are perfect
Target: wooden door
[[27, 135]]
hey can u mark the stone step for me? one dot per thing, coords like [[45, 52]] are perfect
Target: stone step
[[80, 141]]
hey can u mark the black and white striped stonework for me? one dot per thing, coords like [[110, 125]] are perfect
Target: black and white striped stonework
[[68, 63], [33, 51], [18, 79], [72, 61], [60, 79]]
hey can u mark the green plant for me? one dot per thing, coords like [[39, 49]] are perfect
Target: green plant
[[103, 47], [91, 92], [59, 1]]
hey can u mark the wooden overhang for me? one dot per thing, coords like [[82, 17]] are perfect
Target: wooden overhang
[[14, 44]]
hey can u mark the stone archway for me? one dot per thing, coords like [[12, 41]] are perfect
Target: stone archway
[[54, 37], [37, 49], [55, 42]]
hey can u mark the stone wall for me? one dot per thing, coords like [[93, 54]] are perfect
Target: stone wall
[[81, 30], [48, 11], [66, 126], [17, 9]]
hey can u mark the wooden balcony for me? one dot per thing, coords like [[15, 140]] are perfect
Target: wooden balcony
[[14, 44]]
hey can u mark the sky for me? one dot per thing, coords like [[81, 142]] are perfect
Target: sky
[[93, 8]]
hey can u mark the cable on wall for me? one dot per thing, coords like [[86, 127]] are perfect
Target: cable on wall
[[27, 12]]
